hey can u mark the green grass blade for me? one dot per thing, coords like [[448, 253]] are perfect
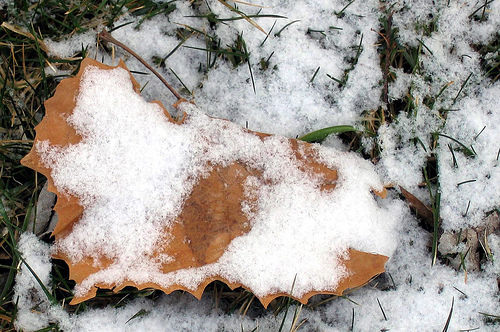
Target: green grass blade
[[320, 135], [447, 325], [49, 295], [467, 150], [289, 300]]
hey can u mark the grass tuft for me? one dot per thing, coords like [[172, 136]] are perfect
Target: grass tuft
[[490, 58]]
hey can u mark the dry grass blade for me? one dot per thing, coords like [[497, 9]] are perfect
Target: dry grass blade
[[249, 4], [249, 20], [27, 34]]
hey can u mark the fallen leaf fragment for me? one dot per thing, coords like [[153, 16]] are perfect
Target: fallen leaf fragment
[[212, 215], [421, 210]]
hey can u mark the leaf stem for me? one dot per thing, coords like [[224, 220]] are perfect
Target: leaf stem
[[105, 35]]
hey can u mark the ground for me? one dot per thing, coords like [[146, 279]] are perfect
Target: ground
[[418, 82]]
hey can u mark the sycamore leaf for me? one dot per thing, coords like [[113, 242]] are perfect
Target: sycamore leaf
[[226, 204]]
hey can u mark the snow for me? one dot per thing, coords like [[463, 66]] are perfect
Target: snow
[[34, 309], [477, 116], [415, 296], [286, 102]]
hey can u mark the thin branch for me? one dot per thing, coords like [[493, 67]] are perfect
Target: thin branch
[[105, 35]]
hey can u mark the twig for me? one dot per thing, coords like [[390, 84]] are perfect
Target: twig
[[105, 35]]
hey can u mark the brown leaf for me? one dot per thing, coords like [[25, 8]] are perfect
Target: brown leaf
[[421, 210], [211, 217]]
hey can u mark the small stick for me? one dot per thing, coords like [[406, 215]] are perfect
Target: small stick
[[105, 35]]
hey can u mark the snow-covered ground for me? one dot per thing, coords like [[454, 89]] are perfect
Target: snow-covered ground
[[287, 101]]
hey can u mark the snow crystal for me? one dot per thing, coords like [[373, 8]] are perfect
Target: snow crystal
[[70, 46]]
